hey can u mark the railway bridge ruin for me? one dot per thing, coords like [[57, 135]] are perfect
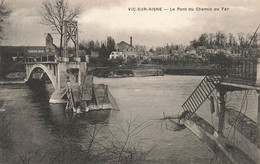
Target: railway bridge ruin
[[60, 68]]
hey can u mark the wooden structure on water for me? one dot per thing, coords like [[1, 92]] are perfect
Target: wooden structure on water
[[241, 74], [89, 96]]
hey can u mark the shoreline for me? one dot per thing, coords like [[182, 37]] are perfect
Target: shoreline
[[155, 70], [187, 71], [108, 72], [11, 81]]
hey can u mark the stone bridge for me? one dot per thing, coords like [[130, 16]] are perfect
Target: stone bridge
[[59, 72], [59, 66]]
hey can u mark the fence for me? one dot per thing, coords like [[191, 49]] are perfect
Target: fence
[[244, 69], [112, 100], [53, 58]]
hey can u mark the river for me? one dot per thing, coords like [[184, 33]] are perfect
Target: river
[[39, 132]]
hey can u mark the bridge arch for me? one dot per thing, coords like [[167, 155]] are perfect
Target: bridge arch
[[49, 73]]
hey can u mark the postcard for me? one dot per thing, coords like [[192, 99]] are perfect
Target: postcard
[[129, 81]]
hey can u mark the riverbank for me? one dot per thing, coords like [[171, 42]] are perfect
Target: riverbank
[[140, 71], [150, 70], [11, 81], [13, 78], [122, 72], [187, 70]]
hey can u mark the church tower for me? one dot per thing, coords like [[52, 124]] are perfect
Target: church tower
[[49, 40]]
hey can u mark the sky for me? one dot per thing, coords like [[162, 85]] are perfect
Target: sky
[[102, 18]]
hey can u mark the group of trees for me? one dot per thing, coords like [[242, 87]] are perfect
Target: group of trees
[[4, 14], [167, 49], [129, 62], [222, 40], [104, 48], [55, 13], [241, 44]]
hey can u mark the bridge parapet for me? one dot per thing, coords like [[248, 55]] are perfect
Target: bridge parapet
[[41, 59], [59, 73], [243, 71], [61, 67], [53, 59]]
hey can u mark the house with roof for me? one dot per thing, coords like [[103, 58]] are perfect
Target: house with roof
[[124, 50], [124, 55], [17, 52], [211, 51], [94, 54], [125, 47], [115, 54], [50, 48], [190, 50]]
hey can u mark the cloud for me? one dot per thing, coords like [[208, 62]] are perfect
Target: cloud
[[89, 5], [102, 18]]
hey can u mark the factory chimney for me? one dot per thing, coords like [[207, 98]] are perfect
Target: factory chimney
[[131, 43]]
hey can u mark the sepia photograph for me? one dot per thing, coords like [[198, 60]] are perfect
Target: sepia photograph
[[129, 81]]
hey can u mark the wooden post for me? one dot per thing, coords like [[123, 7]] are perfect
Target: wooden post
[[221, 117], [258, 113], [212, 106], [258, 117], [258, 72]]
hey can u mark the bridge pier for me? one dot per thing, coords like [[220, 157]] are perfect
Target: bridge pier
[[67, 71], [56, 97], [59, 73], [63, 67]]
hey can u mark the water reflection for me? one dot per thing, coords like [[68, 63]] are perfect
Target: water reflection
[[58, 136], [1, 103], [44, 132], [55, 114]]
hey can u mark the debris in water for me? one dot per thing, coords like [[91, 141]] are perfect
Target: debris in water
[[173, 122], [1, 103]]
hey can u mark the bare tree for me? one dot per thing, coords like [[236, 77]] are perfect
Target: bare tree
[[54, 13], [4, 14], [211, 39], [241, 38], [100, 145]]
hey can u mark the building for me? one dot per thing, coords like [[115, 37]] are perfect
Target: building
[[125, 47], [211, 51], [94, 54], [165, 56], [125, 50], [124, 55], [17, 52], [115, 54], [190, 50], [50, 46]]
